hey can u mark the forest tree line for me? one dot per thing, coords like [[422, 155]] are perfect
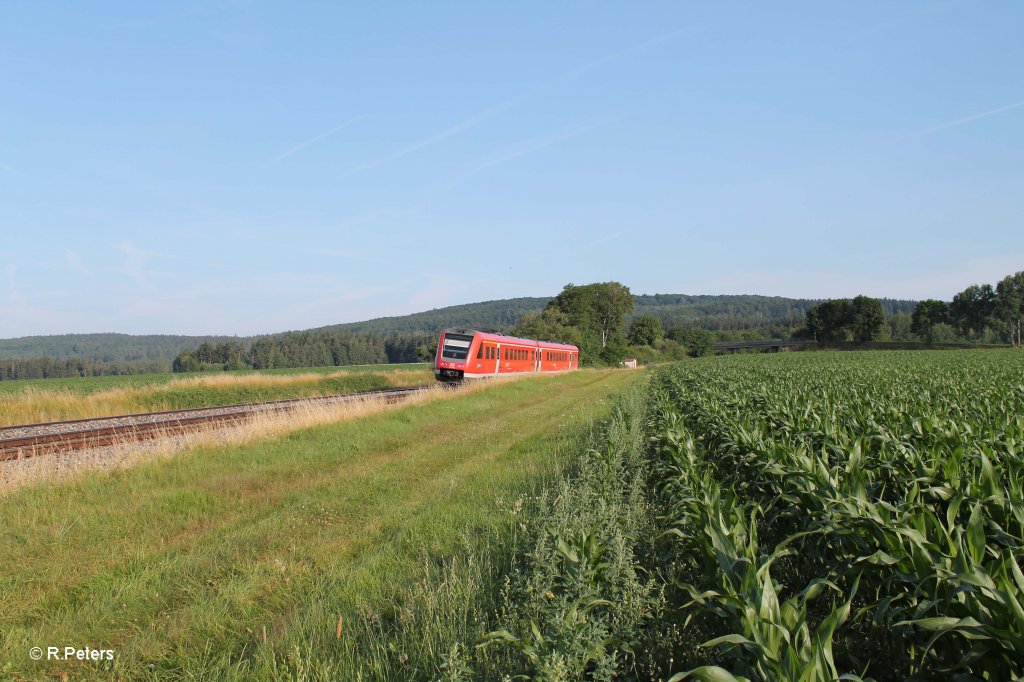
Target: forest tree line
[[303, 349], [980, 314], [60, 368]]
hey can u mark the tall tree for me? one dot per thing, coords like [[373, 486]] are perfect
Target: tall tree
[[829, 322], [972, 309], [1009, 304], [866, 318], [599, 312], [926, 315]]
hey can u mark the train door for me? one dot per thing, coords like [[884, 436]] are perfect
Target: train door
[[493, 350]]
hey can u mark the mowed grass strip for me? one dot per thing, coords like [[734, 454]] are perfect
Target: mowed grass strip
[[200, 563]]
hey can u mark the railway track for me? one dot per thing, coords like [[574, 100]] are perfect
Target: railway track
[[31, 440]]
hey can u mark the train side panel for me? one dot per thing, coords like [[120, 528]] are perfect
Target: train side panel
[[471, 354]]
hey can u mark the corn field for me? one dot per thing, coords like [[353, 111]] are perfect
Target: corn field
[[856, 515]]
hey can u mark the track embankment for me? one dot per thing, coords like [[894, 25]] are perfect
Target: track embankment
[[30, 440]]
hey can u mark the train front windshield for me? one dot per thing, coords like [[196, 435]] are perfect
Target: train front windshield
[[456, 346]]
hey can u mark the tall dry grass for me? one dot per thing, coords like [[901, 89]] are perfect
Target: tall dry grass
[[34, 404], [64, 465]]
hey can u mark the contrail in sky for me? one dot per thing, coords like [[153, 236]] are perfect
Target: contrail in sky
[[310, 141], [580, 70], [454, 130], [490, 112], [968, 119]]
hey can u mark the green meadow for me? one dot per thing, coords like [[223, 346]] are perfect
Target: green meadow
[[363, 549]]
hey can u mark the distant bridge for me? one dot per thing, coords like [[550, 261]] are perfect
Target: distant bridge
[[769, 346]]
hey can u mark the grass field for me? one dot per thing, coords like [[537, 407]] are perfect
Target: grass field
[[365, 548], [87, 385], [54, 399]]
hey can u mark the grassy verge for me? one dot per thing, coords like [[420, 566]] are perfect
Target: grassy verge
[[576, 605], [38, 401], [337, 552]]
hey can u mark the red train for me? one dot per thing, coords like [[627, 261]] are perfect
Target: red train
[[473, 354]]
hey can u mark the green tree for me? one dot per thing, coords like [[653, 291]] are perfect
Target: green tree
[[550, 325], [598, 311], [866, 318], [1009, 305], [645, 331], [829, 322], [901, 327], [426, 352], [698, 342], [927, 315], [973, 308]]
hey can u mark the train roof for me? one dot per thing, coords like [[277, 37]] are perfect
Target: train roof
[[491, 336]]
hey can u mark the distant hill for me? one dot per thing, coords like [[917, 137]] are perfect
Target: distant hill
[[738, 312], [494, 314], [772, 314], [105, 348]]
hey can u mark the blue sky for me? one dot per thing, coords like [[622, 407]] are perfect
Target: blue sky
[[248, 167]]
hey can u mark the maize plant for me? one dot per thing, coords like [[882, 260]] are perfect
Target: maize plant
[[847, 515]]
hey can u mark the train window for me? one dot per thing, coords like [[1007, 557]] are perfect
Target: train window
[[456, 346], [480, 353]]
